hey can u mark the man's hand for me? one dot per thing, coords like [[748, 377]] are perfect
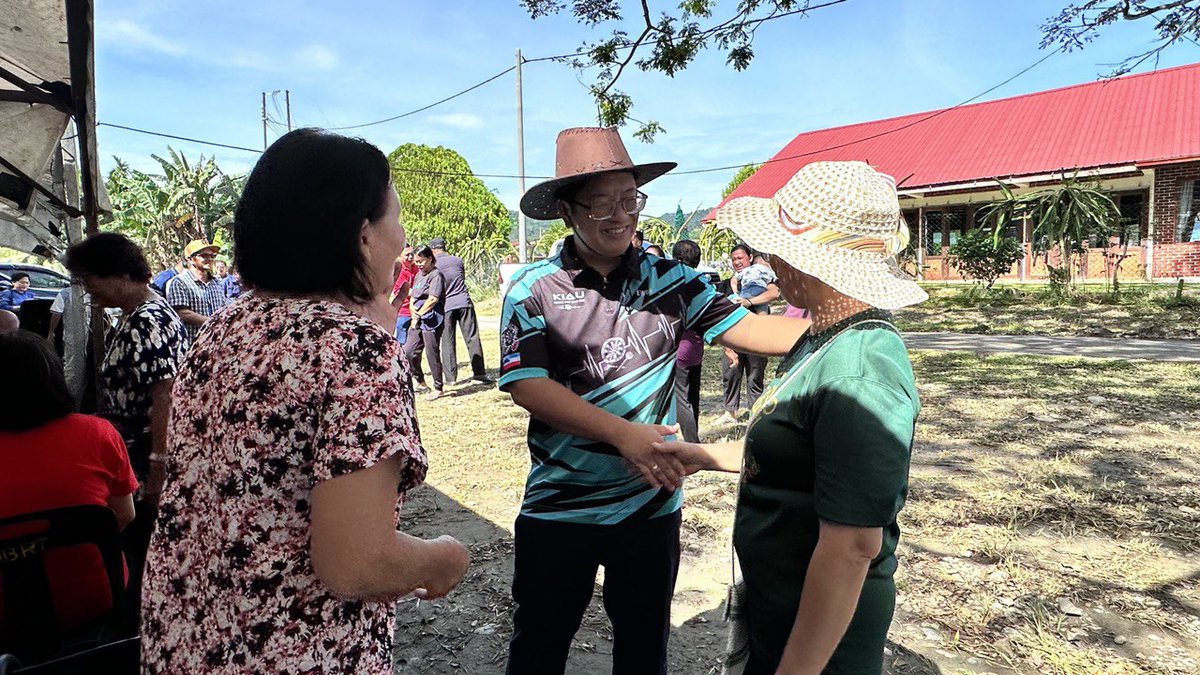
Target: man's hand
[[636, 442], [745, 302], [452, 561]]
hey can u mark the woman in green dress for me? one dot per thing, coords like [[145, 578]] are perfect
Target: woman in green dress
[[824, 466]]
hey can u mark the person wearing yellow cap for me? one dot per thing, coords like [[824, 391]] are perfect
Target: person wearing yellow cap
[[195, 293]]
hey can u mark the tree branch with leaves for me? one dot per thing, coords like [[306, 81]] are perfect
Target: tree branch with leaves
[[1082, 22], [673, 38]]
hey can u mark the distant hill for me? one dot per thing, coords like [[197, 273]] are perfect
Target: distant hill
[[534, 228]]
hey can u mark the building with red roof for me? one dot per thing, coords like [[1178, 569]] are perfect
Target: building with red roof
[[1138, 135]]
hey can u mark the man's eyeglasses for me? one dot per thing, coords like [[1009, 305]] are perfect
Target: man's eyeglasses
[[206, 256], [605, 210]]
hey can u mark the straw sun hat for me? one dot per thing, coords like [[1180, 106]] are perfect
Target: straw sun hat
[[837, 221]]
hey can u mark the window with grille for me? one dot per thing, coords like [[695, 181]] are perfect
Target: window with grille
[[1189, 211], [1132, 207], [942, 230]]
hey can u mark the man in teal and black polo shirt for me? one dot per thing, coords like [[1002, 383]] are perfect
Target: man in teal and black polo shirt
[[588, 345]]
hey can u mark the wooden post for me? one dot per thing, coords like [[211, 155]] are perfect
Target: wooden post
[[1022, 270], [921, 243]]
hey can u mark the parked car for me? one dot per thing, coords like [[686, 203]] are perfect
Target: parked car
[[43, 281]]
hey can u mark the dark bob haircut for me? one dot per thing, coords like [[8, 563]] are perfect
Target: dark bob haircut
[[687, 252], [298, 224], [32, 368], [427, 253], [108, 254], [17, 276]]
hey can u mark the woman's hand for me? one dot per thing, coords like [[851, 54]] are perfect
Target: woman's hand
[[731, 356], [693, 456], [704, 456], [453, 560]]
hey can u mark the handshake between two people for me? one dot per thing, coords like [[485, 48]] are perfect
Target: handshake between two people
[[663, 463]]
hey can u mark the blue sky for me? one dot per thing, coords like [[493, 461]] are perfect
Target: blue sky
[[198, 69]]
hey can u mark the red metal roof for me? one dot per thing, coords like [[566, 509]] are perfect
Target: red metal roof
[[1136, 119]]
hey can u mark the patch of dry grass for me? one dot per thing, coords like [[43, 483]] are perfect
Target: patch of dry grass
[[1143, 311]]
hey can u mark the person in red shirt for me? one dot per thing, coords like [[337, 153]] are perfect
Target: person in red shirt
[[51, 457], [405, 271]]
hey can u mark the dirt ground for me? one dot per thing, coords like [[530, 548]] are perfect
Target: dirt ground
[[1053, 526]]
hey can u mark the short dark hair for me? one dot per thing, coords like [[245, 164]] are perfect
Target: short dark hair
[[302, 211], [655, 249], [33, 369], [742, 247], [108, 254], [687, 252], [17, 276], [640, 235]]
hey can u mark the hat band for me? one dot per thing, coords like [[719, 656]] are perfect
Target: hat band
[[823, 236]]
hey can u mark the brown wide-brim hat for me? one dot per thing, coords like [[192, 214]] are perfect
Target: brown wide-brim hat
[[580, 153]]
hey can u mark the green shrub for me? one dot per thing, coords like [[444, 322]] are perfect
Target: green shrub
[[979, 255]]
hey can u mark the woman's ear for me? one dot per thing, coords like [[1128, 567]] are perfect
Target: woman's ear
[[364, 232]]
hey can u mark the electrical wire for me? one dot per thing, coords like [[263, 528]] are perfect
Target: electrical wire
[[562, 56], [902, 127], [176, 137], [427, 107]]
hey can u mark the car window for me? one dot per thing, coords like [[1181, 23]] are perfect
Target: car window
[[39, 278]]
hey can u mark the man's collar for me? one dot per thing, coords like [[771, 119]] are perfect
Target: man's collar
[[631, 260]]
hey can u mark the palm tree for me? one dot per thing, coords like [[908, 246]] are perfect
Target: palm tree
[[1065, 216]]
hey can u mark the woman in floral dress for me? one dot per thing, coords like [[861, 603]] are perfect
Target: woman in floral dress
[[277, 549]]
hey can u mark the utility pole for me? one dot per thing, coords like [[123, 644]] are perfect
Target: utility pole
[[287, 102], [264, 118], [521, 236]]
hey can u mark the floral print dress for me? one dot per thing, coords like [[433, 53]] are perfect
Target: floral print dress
[[275, 396], [146, 349]]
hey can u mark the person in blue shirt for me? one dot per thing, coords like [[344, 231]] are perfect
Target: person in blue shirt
[[159, 282], [13, 297]]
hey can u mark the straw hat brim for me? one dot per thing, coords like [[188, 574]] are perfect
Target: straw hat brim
[[871, 277], [539, 201]]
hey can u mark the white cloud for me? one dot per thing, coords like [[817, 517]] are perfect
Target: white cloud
[[458, 120], [125, 33], [318, 57]]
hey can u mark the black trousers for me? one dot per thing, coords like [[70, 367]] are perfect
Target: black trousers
[[464, 317], [421, 339], [754, 369], [135, 543], [553, 579], [687, 402]]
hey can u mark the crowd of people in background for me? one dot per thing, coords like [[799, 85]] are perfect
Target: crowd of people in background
[[254, 447]]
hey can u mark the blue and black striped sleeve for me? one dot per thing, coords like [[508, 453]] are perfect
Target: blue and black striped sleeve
[[523, 353], [709, 313]]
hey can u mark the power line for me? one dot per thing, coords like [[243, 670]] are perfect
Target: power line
[[882, 133], [427, 107], [561, 56], [178, 138]]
